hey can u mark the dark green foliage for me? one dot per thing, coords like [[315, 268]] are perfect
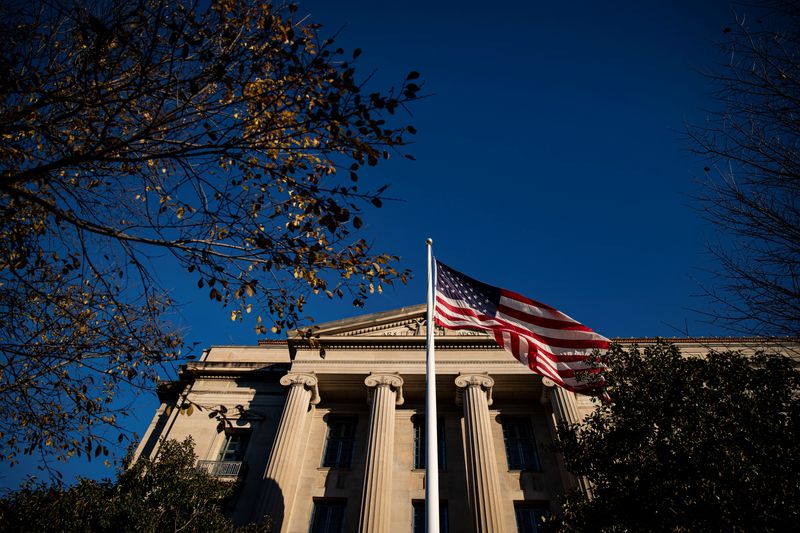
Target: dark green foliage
[[168, 494], [689, 444]]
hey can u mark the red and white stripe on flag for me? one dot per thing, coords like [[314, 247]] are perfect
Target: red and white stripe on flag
[[542, 338]]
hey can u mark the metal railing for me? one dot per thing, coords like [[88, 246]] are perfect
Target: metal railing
[[230, 469]]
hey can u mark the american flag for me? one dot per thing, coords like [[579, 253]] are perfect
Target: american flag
[[542, 338]]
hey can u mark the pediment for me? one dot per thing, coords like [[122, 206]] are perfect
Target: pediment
[[404, 322]]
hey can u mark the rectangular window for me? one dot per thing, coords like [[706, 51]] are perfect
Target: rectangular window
[[341, 441], [529, 517], [328, 516], [418, 516], [420, 449], [520, 444], [234, 446]]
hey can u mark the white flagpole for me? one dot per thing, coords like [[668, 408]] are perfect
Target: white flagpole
[[432, 443]]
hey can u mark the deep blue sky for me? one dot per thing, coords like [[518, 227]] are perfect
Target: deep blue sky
[[550, 160]]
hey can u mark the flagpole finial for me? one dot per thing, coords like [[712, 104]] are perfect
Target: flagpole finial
[[429, 241]]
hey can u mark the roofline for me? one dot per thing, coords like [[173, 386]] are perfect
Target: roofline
[[353, 322], [326, 330], [620, 340], [685, 340]]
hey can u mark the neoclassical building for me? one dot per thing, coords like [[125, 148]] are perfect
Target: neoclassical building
[[327, 433]]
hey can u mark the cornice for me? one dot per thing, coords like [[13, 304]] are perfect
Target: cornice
[[244, 393], [472, 342], [396, 342], [357, 339], [707, 340], [223, 369], [420, 362], [269, 342], [409, 323]]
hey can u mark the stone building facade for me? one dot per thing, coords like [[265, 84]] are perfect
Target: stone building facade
[[327, 433]]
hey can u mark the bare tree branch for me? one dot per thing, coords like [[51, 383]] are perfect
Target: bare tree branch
[[752, 148]]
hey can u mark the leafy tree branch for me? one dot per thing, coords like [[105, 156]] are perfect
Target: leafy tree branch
[[229, 134]]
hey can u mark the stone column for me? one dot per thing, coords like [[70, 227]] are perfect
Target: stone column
[[483, 479], [387, 391], [563, 402], [283, 467], [565, 411]]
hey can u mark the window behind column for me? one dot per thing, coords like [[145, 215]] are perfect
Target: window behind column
[[520, 444], [328, 516], [420, 453], [418, 516], [341, 441], [530, 515], [234, 446]]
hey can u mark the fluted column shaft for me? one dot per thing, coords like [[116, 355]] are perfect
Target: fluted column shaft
[[483, 480], [564, 406], [565, 411], [376, 499], [283, 468]]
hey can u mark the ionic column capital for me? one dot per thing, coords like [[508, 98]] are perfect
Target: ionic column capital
[[547, 382], [306, 380], [562, 401], [480, 379], [547, 390], [390, 380]]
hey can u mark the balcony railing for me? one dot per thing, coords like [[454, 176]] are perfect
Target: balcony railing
[[226, 469]]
